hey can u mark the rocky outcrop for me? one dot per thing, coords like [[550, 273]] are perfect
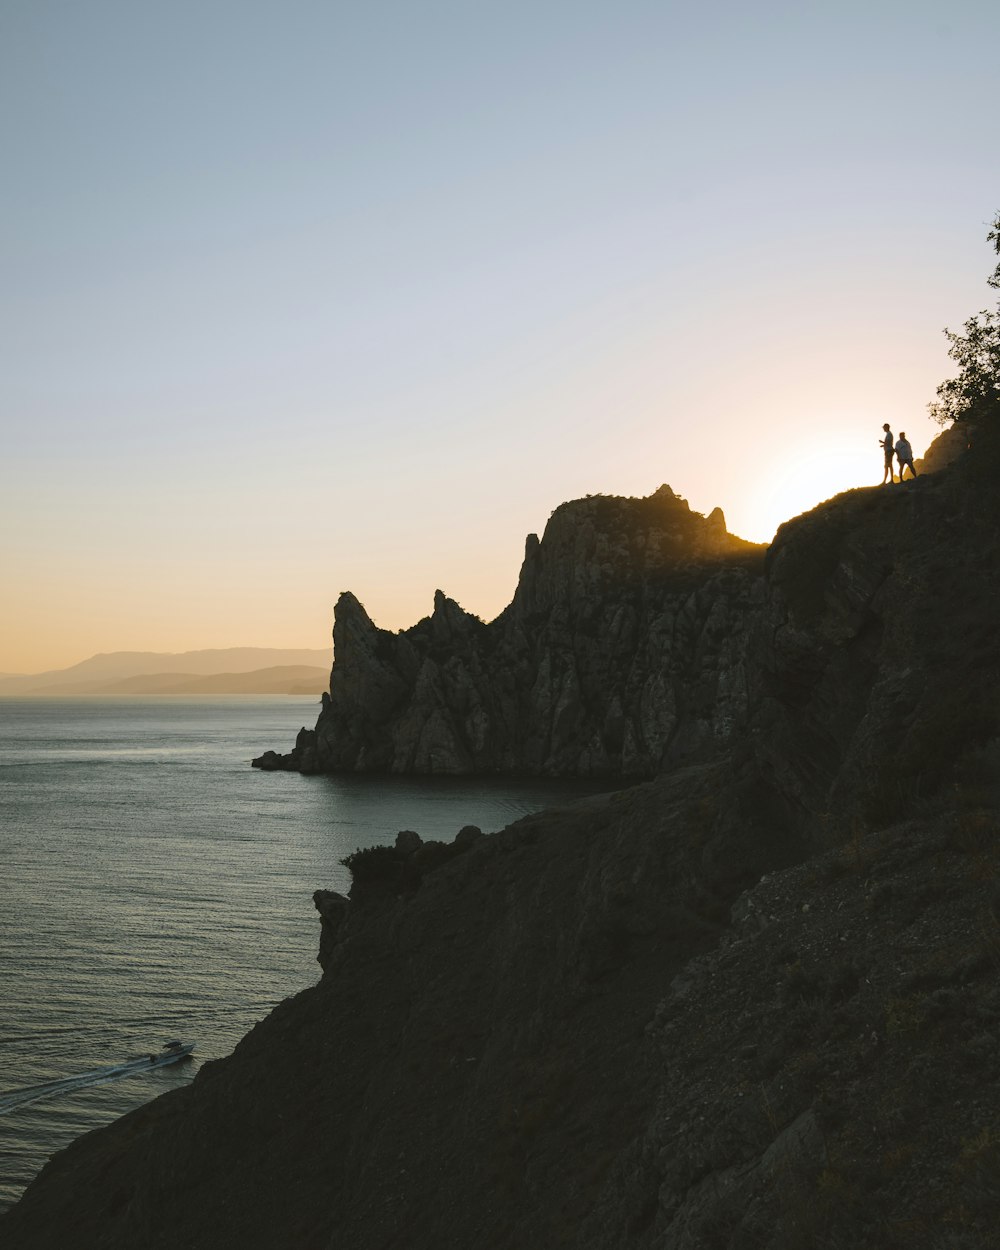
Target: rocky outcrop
[[622, 652], [751, 1002], [643, 636], [944, 450]]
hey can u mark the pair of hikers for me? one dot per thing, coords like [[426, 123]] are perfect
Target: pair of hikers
[[904, 454]]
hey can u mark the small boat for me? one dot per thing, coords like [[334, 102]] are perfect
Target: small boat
[[172, 1052]]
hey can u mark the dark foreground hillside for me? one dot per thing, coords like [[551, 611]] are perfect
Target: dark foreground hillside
[[754, 1002]]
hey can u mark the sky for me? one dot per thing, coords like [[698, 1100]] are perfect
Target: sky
[[313, 297]]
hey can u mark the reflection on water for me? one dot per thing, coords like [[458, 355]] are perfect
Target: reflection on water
[[155, 886]]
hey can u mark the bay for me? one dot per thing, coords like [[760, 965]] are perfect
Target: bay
[[154, 886]]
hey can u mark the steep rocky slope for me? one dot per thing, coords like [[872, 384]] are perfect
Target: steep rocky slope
[[828, 1076], [750, 1003], [620, 652]]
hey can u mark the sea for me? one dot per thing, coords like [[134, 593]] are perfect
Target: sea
[[154, 886]]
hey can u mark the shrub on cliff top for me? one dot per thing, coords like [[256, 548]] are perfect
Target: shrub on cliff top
[[973, 397], [374, 863], [387, 865]]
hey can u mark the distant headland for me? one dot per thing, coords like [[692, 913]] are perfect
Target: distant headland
[[749, 1001], [229, 670]]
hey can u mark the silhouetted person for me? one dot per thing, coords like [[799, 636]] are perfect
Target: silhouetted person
[[904, 454], [887, 447]]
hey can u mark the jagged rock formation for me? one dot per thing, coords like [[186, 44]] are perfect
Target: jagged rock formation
[[622, 651], [750, 1003]]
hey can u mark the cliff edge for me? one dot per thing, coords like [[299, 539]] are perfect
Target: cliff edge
[[749, 1003]]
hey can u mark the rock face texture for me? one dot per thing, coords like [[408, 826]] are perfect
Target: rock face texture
[[622, 651], [853, 1013], [750, 1003], [949, 445]]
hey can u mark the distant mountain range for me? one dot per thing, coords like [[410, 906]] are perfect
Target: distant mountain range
[[233, 670]]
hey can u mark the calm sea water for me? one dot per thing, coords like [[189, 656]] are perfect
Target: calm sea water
[[154, 886]]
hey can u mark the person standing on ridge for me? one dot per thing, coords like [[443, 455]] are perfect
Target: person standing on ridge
[[904, 454], [887, 446]]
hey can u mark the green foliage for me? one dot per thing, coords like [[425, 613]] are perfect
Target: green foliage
[[374, 863], [388, 866], [994, 238], [973, 396]]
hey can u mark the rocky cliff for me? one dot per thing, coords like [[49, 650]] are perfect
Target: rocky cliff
[[621, 652], [750, 1003]]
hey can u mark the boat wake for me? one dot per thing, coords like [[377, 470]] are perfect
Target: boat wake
[[84, 1080]]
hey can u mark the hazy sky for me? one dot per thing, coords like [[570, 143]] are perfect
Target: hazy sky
[[306, 297]]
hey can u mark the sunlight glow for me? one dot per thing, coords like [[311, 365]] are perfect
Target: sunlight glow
[[812, 472]]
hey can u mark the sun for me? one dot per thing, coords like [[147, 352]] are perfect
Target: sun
[[805, 476]]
